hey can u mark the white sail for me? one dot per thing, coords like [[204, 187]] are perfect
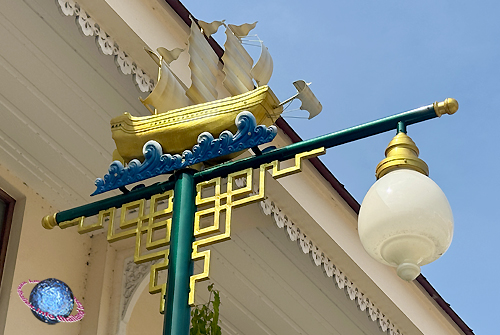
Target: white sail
[[168, 56], [263, 69], [237, 62], [211, 28], [309, 101], [168, 93], [203, 64], [242, 30]]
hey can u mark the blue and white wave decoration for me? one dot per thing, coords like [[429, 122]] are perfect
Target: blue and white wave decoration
[[156, 163]]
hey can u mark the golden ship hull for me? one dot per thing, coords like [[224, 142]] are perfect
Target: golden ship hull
[[178, 129]]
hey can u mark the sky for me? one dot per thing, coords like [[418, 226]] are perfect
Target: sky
[[371, 59]]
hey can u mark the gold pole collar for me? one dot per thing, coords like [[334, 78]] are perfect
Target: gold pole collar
[[449, 106], [401, 153]]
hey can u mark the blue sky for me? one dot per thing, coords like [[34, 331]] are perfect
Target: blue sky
[[370, 59]]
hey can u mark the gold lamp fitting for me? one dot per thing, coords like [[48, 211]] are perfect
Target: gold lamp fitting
[[49, 221], [401, 153], [449, 106]]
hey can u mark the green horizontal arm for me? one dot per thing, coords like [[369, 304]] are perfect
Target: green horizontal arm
[[328, 141], [94, 208], [449, 106]]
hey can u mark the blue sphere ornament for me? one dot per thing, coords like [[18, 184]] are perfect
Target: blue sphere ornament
[[51, 297]]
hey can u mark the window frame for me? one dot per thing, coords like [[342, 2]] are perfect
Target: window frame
[[5, 230]]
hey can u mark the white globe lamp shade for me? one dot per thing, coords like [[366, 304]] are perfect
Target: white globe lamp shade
[[405, 221]]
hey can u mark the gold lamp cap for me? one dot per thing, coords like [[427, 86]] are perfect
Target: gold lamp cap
[[449, 106], [401, 153]]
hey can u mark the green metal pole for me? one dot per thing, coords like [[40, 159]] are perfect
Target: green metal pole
[[177, 310], [401, 127]]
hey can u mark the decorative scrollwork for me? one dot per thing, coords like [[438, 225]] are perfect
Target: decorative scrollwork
[[155, 162], [123, 61], [133, 274], [340, 279], [68, 7], [86, 23], [106, 44], [305, 243], [317, 255]]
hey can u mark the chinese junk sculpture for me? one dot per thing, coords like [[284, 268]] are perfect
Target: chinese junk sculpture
[[180, 114], [191, 126], [51, 301]]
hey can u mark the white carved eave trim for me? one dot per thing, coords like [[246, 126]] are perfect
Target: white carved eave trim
[[133, 275], [106, 44], [330, 270]]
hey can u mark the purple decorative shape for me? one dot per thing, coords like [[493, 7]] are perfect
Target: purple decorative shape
[[51, 298]]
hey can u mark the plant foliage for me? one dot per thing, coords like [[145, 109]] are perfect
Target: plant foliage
[[205, 317]]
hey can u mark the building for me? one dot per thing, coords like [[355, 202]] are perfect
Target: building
[[69, 68]]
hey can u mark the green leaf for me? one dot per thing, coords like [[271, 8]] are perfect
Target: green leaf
[[205, 317]]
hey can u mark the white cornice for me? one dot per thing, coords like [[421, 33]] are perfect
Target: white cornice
[[106, 44], [321, 259]]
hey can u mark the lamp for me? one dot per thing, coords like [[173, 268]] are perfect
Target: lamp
[[405, 220]]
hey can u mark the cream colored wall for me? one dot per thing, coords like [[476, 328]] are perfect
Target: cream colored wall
[[37, 254], [142, 315]]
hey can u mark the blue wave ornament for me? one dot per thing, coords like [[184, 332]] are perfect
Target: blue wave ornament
[[156, 163]]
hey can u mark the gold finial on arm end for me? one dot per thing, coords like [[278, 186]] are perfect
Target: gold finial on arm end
[[49, 221], [449, 106]]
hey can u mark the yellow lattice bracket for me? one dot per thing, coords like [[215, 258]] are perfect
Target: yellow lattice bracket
[[224, 202], [136, 221], [279, 173]]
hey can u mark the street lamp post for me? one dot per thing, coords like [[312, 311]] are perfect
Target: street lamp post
[[184, 213]]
